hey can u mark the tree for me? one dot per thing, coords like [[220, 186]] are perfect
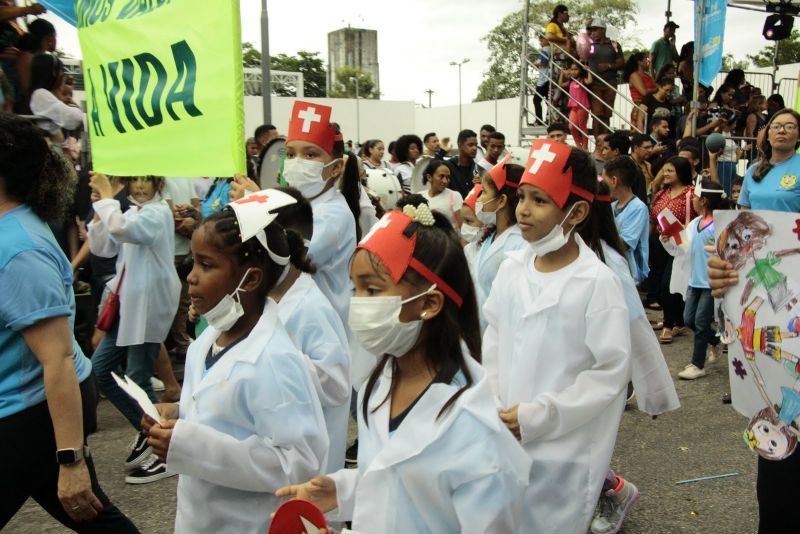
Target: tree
[[729, 63], [344, 85], [788, 52], [502, 80], [309, 63]]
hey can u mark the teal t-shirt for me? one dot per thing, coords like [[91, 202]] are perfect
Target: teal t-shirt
[[779, 190], [35, 284]]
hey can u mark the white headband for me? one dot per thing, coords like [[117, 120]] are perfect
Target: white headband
[[698, 191]]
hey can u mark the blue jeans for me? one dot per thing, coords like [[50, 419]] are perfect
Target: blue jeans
[[698, 315], [140, 363], [726, 170]]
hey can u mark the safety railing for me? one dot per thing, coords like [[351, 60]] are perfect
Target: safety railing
[[787, 88]]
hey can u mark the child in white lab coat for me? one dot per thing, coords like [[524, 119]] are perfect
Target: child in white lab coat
[[313, 166], [650, 376], [557, 345], [142, 239], [249, 420], [315, 327], [433, 456], [495, 208]]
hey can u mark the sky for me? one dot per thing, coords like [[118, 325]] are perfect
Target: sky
[[417, 39]]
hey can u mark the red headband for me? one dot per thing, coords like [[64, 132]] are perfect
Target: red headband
[[544, 170], [499, 174], [396, 251], [312, 123]]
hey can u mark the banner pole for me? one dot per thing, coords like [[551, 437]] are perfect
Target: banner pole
[[698, 53], [266, 82]]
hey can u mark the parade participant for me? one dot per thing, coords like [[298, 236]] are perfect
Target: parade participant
[[631, 215], [564, 410], [432, 455], [496, 209], [148, 289], [48, 396], [314, 151], [439, 196], [249, 420], [315, 327]]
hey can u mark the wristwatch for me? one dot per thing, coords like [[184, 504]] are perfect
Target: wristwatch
[[70, 456]]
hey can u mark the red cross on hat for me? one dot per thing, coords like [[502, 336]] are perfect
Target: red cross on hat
[[395, 250], [312, 123], [545, 170]]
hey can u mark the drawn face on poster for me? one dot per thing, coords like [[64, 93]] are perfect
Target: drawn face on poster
[[761, 326]]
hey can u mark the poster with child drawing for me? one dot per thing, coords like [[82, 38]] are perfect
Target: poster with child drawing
[[760, 324]]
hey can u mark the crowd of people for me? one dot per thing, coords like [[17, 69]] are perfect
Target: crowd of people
[[430, 320]]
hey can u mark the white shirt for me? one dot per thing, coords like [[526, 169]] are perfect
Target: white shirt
[[558, 345], [142, 239], [248, 426], [45, 104], [448, 202], [460, 472], [180, 190]]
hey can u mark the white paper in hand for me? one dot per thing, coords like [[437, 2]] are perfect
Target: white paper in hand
[[138, 394]]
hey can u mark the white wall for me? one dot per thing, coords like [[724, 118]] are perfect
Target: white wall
[[444, 120]]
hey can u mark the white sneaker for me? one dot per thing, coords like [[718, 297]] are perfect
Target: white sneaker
[[157, 384], [691, 372], [714, 352]]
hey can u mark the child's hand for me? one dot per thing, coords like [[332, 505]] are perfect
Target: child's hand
[[509, 418], [319, 490], [240, 185], [721, 274], [167, 410], [100, 185], [159, 436]]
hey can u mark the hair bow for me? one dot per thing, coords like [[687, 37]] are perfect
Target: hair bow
[[421, 214]]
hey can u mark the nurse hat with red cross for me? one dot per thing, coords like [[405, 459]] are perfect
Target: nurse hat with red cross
[[255, 212], [545, 170], [389, 243], [312, 123]]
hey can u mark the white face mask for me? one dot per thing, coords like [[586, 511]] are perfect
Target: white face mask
[[469, 233], [305, 175], [228, 310], [486, 217], [554, 240], [375, 321]]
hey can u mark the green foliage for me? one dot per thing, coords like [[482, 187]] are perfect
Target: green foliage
[[505, 39], [309, 63], [344, 85], [788, 52], [729, 63]]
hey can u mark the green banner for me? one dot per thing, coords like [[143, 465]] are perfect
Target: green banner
[[164, 86]]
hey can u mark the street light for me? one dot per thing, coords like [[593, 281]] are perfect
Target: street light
[[266, 85], [358, 113], [458, 64]]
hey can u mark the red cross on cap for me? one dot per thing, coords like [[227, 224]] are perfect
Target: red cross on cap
[[545, 170], [312, 123]]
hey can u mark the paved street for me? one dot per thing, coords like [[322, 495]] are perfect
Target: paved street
[[702, 438]]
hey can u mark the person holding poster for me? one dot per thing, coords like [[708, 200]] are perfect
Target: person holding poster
[[770, 184], [314, 163]]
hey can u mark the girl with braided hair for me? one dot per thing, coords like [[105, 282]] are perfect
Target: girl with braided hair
[[249, 419]]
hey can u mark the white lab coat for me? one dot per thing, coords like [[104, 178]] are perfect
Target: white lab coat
[[558, 345], [655, 390], [332, 246], [463, 472], [143, 239], [368, 218], [251, 425], [318, 333], [488, 257]]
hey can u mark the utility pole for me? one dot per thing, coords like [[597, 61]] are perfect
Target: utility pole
[[430, 92], [266, 82], [458, 64], [358, 111]]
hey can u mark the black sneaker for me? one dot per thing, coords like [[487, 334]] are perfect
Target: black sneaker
[[351, 455], [151, 470], [140, 452]]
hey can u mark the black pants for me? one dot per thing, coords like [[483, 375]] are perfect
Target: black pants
[[777, 494], [542, 93], [672, 303], [28, 450]]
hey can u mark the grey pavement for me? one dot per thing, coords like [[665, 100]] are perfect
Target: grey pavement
[[703, 438]]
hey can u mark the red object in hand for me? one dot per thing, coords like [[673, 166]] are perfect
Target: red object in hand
[[672, 229], [298, 516]]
